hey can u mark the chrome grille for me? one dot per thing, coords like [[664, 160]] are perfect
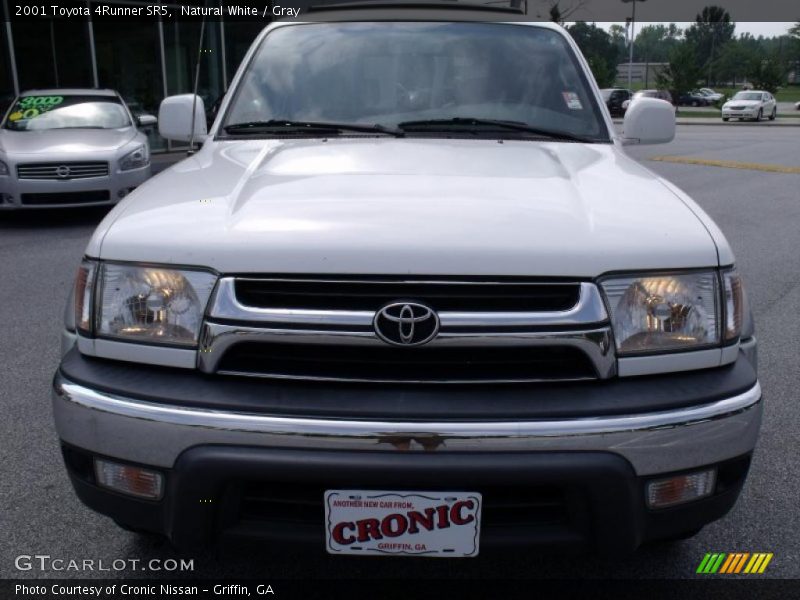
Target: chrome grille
[[491, 332], [62, 171]]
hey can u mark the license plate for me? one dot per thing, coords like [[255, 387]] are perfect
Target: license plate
[[439, 524]]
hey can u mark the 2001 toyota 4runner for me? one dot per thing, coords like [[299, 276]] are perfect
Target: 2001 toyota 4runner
[[410, 297]]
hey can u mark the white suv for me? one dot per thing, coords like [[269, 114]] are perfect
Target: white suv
[[411, 297]]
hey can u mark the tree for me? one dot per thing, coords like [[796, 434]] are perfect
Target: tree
[[655, 42], [767, 72], [733, 64], [600, 52], [709, 34], [619, 38], [794, 31], [682, 72]]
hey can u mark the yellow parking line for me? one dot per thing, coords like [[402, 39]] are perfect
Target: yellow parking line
[[728, 164]]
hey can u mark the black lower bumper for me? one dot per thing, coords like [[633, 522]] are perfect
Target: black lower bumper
[[585, 501]]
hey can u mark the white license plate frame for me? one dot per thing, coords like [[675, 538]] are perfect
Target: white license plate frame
[[403, 523]]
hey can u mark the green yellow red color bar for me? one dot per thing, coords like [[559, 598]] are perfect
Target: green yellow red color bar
[[734, 562]]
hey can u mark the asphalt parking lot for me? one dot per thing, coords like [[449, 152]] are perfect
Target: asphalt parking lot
[[759, 211]]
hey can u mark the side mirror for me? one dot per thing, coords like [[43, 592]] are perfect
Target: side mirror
[[146, 120], [175, 118], [649, 121]]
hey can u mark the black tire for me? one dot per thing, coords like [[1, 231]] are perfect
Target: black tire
[[760, 115], [774, 114], [726, 119]]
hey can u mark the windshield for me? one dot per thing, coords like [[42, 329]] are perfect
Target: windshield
[[38, 113], [747, 96], [391, 73]]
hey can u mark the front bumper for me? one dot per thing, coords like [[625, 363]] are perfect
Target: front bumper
[[599, 463], [740, 114], [71, 193]]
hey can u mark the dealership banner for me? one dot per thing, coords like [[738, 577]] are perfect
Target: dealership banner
[[269, 10]]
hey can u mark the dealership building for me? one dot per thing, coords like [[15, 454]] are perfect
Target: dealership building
[[144, 60]]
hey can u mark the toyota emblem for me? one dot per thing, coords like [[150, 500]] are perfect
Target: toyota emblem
[[62, 171], [406, 324]]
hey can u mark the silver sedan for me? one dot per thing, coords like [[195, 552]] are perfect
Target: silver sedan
[[71, 147], [752, 104]]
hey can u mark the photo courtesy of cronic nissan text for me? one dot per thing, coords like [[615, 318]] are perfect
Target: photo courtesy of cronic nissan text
[[402, 299]]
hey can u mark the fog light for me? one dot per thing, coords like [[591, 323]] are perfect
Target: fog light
[[681, 488], [128, 479]]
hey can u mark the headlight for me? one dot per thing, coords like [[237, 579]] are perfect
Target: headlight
[[153, 305], [137, 159], [664, 312], [3, 168]]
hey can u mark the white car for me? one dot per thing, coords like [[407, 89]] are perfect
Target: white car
[[797, 105], [751, 104], [70, 148], [411, 296]]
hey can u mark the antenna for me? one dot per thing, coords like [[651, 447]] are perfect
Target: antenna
[[196, 83]]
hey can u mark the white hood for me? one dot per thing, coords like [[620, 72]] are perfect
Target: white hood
[[407, 206], [746, 103]]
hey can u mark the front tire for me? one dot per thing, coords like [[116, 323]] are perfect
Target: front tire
[[726, 119], [760, 115], [774, 114]]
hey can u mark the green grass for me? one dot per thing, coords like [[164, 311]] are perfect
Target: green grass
[[789, 93], [705, 114]]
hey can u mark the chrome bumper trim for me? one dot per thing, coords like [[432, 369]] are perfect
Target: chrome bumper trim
[[653, 442]]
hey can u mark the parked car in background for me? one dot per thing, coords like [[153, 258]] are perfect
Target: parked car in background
[[711, 95], [693, 99], [751, 105], [71, 147], [615, 98], [659, 94], [353, 318]]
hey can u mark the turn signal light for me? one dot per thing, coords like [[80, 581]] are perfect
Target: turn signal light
[[130, 480], [681, 488]]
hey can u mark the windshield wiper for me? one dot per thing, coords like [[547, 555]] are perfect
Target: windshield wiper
[[462, 123], [287, 126]]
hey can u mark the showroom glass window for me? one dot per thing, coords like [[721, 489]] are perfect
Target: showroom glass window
[[6, 78]]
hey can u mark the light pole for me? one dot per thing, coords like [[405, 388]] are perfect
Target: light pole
[[633, 36]]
